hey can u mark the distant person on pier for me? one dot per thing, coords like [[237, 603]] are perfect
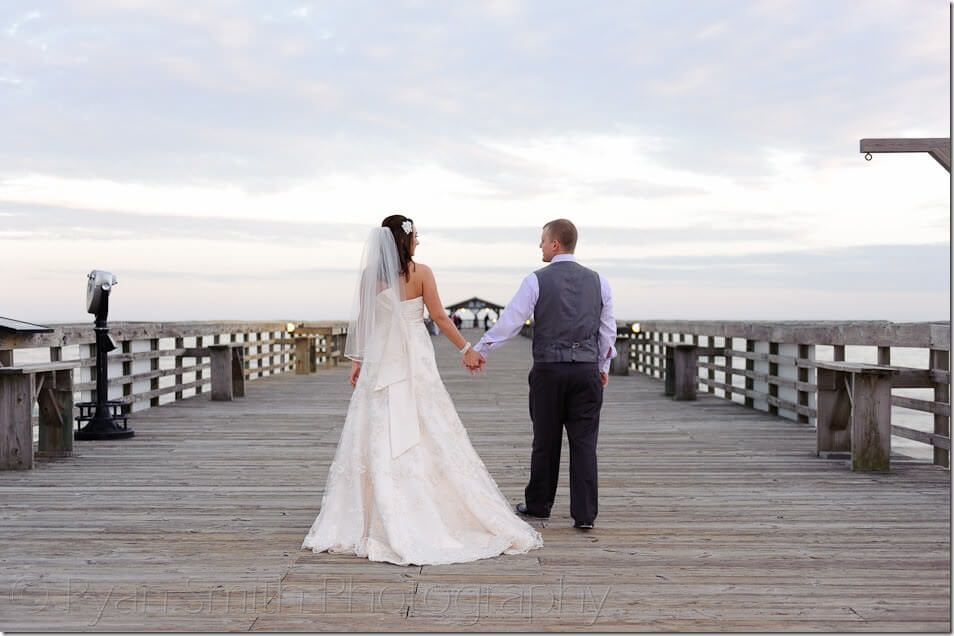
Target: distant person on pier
[[574, 333], [406, 486], [486, 321]]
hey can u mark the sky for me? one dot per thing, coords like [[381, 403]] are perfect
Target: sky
[[226, 160]]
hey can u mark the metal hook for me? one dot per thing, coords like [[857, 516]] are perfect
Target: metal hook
[[867, 156]]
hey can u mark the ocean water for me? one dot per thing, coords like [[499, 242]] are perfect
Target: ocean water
[[900, 356]]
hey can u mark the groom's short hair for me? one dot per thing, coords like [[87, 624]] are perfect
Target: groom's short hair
[[564, 231]]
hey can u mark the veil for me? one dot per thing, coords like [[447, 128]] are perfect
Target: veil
[[379, 273], [378, 337]]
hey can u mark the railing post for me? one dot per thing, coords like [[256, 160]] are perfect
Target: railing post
[[327, 347], [773, 373], [649, 348], [940, 360], [669, 370], [749, 368], [340, 344], [643, 348], [271, 354], [884, 356], [687, 372], [248, 340], [261, 353], [221, 372], [154, 366], [620, 364], [238, 370], [127, 366], [727, 370], [179, 344], [302, 362], [198, 372], [711, 372], [682, 371], [805, 352], [634, 352]]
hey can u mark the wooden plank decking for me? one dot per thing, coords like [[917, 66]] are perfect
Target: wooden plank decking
[[712, 517]]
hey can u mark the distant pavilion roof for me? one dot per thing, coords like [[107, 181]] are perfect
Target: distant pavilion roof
[[474, 304]]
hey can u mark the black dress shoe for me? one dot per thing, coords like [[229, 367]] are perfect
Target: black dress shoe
[[583, 526], [522, 509]]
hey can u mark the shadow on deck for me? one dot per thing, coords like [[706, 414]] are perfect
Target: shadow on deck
[[712, 517]]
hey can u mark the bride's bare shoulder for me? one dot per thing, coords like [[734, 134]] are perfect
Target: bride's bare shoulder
[[422, 270]]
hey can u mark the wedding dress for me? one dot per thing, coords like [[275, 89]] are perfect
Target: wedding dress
[[406, 486]]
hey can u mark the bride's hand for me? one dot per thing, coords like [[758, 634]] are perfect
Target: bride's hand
[[355, 372]]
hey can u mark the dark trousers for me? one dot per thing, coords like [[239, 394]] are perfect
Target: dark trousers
[[564, 394]]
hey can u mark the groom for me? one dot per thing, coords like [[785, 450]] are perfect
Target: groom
[[573, 336]]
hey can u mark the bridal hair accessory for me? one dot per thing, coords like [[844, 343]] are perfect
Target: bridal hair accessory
[[407, 226]]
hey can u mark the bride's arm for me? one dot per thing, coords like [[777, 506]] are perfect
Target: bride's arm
[[435, 308]]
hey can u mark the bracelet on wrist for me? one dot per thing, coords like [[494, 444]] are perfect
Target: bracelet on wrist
[[464, 349]]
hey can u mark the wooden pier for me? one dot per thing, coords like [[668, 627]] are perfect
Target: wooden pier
[[713, 517]]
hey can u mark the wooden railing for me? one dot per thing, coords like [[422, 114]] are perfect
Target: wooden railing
[[151, 365], [771, 366]]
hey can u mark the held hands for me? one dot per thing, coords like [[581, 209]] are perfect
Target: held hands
[[604, 379], [473, 361]]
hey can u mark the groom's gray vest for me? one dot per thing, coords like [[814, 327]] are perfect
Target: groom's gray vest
[[567, 314]]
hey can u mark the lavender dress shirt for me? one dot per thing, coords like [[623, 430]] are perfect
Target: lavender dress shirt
[[520, 309]]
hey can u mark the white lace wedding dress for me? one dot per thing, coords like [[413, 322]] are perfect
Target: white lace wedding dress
[[406, 485]]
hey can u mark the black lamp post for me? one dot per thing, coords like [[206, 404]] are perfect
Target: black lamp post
[[103, 422]]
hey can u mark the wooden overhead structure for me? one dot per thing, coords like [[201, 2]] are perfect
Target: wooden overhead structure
[[937, 147], [940, 149], [475, 304]]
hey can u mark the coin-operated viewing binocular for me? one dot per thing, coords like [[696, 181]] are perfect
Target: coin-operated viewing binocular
[[98, 286], [102, 415], [97, 291]]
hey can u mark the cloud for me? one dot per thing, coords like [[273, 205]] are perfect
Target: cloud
[[57, 223], [667, 130], [655, 255], [178, 85], [881, 268]]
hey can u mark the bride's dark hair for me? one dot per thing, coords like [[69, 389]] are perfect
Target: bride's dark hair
[[403, 241]]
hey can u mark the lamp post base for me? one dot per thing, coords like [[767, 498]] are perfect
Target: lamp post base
[[101, 425], [108, 431]]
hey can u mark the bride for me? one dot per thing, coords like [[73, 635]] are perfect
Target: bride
[[406, 486]]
